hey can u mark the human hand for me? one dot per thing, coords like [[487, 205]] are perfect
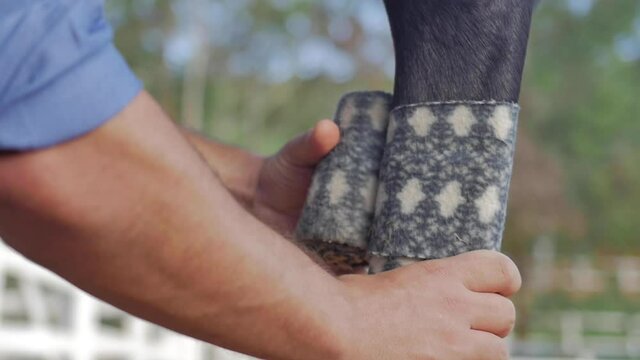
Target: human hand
[[454, 308], [273, 188], [284, 178]]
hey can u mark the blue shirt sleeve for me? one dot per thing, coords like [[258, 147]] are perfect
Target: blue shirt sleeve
[[60, 74]]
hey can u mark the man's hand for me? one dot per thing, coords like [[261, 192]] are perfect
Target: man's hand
[[284, 178], [455, 308], [274, 188]]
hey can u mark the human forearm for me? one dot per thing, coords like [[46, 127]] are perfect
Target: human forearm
[[153, 232], [237, 168]]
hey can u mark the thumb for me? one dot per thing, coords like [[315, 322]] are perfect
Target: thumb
[[307, 149]]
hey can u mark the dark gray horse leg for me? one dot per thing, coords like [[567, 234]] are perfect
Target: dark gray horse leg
[[459, 49], [447, 164]]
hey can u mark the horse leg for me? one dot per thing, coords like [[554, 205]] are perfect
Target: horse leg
[[447, 162]]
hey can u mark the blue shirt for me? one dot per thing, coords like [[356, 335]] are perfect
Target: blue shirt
[[60, 74]]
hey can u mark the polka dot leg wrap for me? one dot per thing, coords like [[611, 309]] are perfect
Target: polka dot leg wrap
[[443, 181], [336, 219]]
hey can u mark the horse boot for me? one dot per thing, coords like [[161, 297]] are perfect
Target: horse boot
[[444, 181], [336, 219]]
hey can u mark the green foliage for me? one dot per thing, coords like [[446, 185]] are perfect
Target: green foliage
[[581, 99]]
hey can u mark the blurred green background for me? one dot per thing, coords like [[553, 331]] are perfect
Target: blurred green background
[[257, 72]]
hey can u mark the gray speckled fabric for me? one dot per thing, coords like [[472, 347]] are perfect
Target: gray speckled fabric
[[337, 216], [444, 181]]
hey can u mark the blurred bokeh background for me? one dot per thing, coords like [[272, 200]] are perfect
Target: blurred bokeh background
[[257, 72]]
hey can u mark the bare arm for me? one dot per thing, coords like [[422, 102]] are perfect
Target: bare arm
[[237, 168], [151, 230]]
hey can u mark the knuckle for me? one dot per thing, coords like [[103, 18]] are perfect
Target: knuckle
[[510, 317], [437, 268], [449, 337], [455, 342], [504, 331], [509, 273], [455, 300], [452, 303], [505, 318]]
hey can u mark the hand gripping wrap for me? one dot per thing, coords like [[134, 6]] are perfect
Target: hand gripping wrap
[[444, 180]]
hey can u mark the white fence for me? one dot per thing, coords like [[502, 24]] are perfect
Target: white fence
[[43, 317], [583, 274], [584, 335]]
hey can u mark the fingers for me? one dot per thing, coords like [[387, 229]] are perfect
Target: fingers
[[488, 271], [432, 300], [487, 346], [307, 149], [492, 313]]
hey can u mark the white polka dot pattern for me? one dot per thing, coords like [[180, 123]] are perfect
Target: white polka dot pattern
[[340, 208], [445, 174]]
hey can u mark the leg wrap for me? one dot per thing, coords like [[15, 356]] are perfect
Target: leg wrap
[[444, 181], [336, 219]]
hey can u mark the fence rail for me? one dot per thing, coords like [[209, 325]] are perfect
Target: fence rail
[[44, 317]]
